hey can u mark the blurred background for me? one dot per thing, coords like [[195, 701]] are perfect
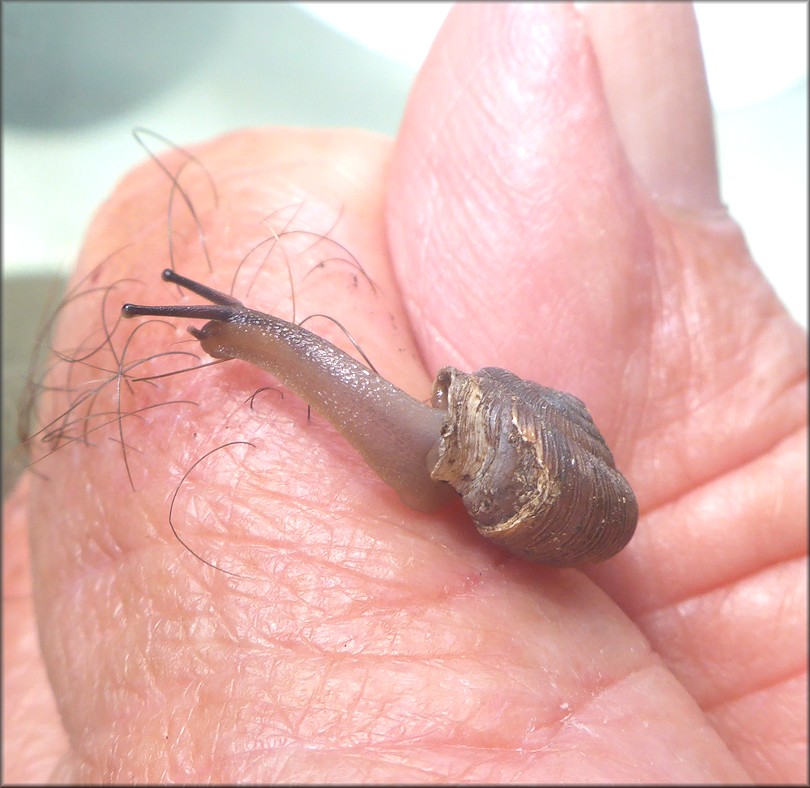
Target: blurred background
[[77, 77]]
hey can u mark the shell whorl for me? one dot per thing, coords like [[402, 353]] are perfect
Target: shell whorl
[[531, 467]]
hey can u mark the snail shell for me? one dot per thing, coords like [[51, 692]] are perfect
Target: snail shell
[[532, 469]]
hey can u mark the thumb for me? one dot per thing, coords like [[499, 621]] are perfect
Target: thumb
[[660, 104]]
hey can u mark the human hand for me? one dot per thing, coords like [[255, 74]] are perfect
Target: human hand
[[368, 643]]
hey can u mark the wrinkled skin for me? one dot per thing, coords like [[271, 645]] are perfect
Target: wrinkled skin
[[539, 211]]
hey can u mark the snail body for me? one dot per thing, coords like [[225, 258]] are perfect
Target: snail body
[[532, 469]]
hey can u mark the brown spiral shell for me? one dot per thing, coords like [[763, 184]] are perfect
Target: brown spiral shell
[[532, 469]]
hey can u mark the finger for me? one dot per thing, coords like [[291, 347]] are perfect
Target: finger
[[359, 640], [661, 109], [514, 217]]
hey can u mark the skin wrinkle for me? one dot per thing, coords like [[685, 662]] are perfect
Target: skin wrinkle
[[776, 438], [394, 733], [362, 611], [756, 742], [759, 331], [760, 560], [716, 475], [716, 709], [703, 593], [709, 662]]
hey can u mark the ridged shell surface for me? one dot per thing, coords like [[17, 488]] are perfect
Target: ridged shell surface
[[532, 468]]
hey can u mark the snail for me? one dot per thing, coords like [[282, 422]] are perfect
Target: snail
[[532, 469]]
